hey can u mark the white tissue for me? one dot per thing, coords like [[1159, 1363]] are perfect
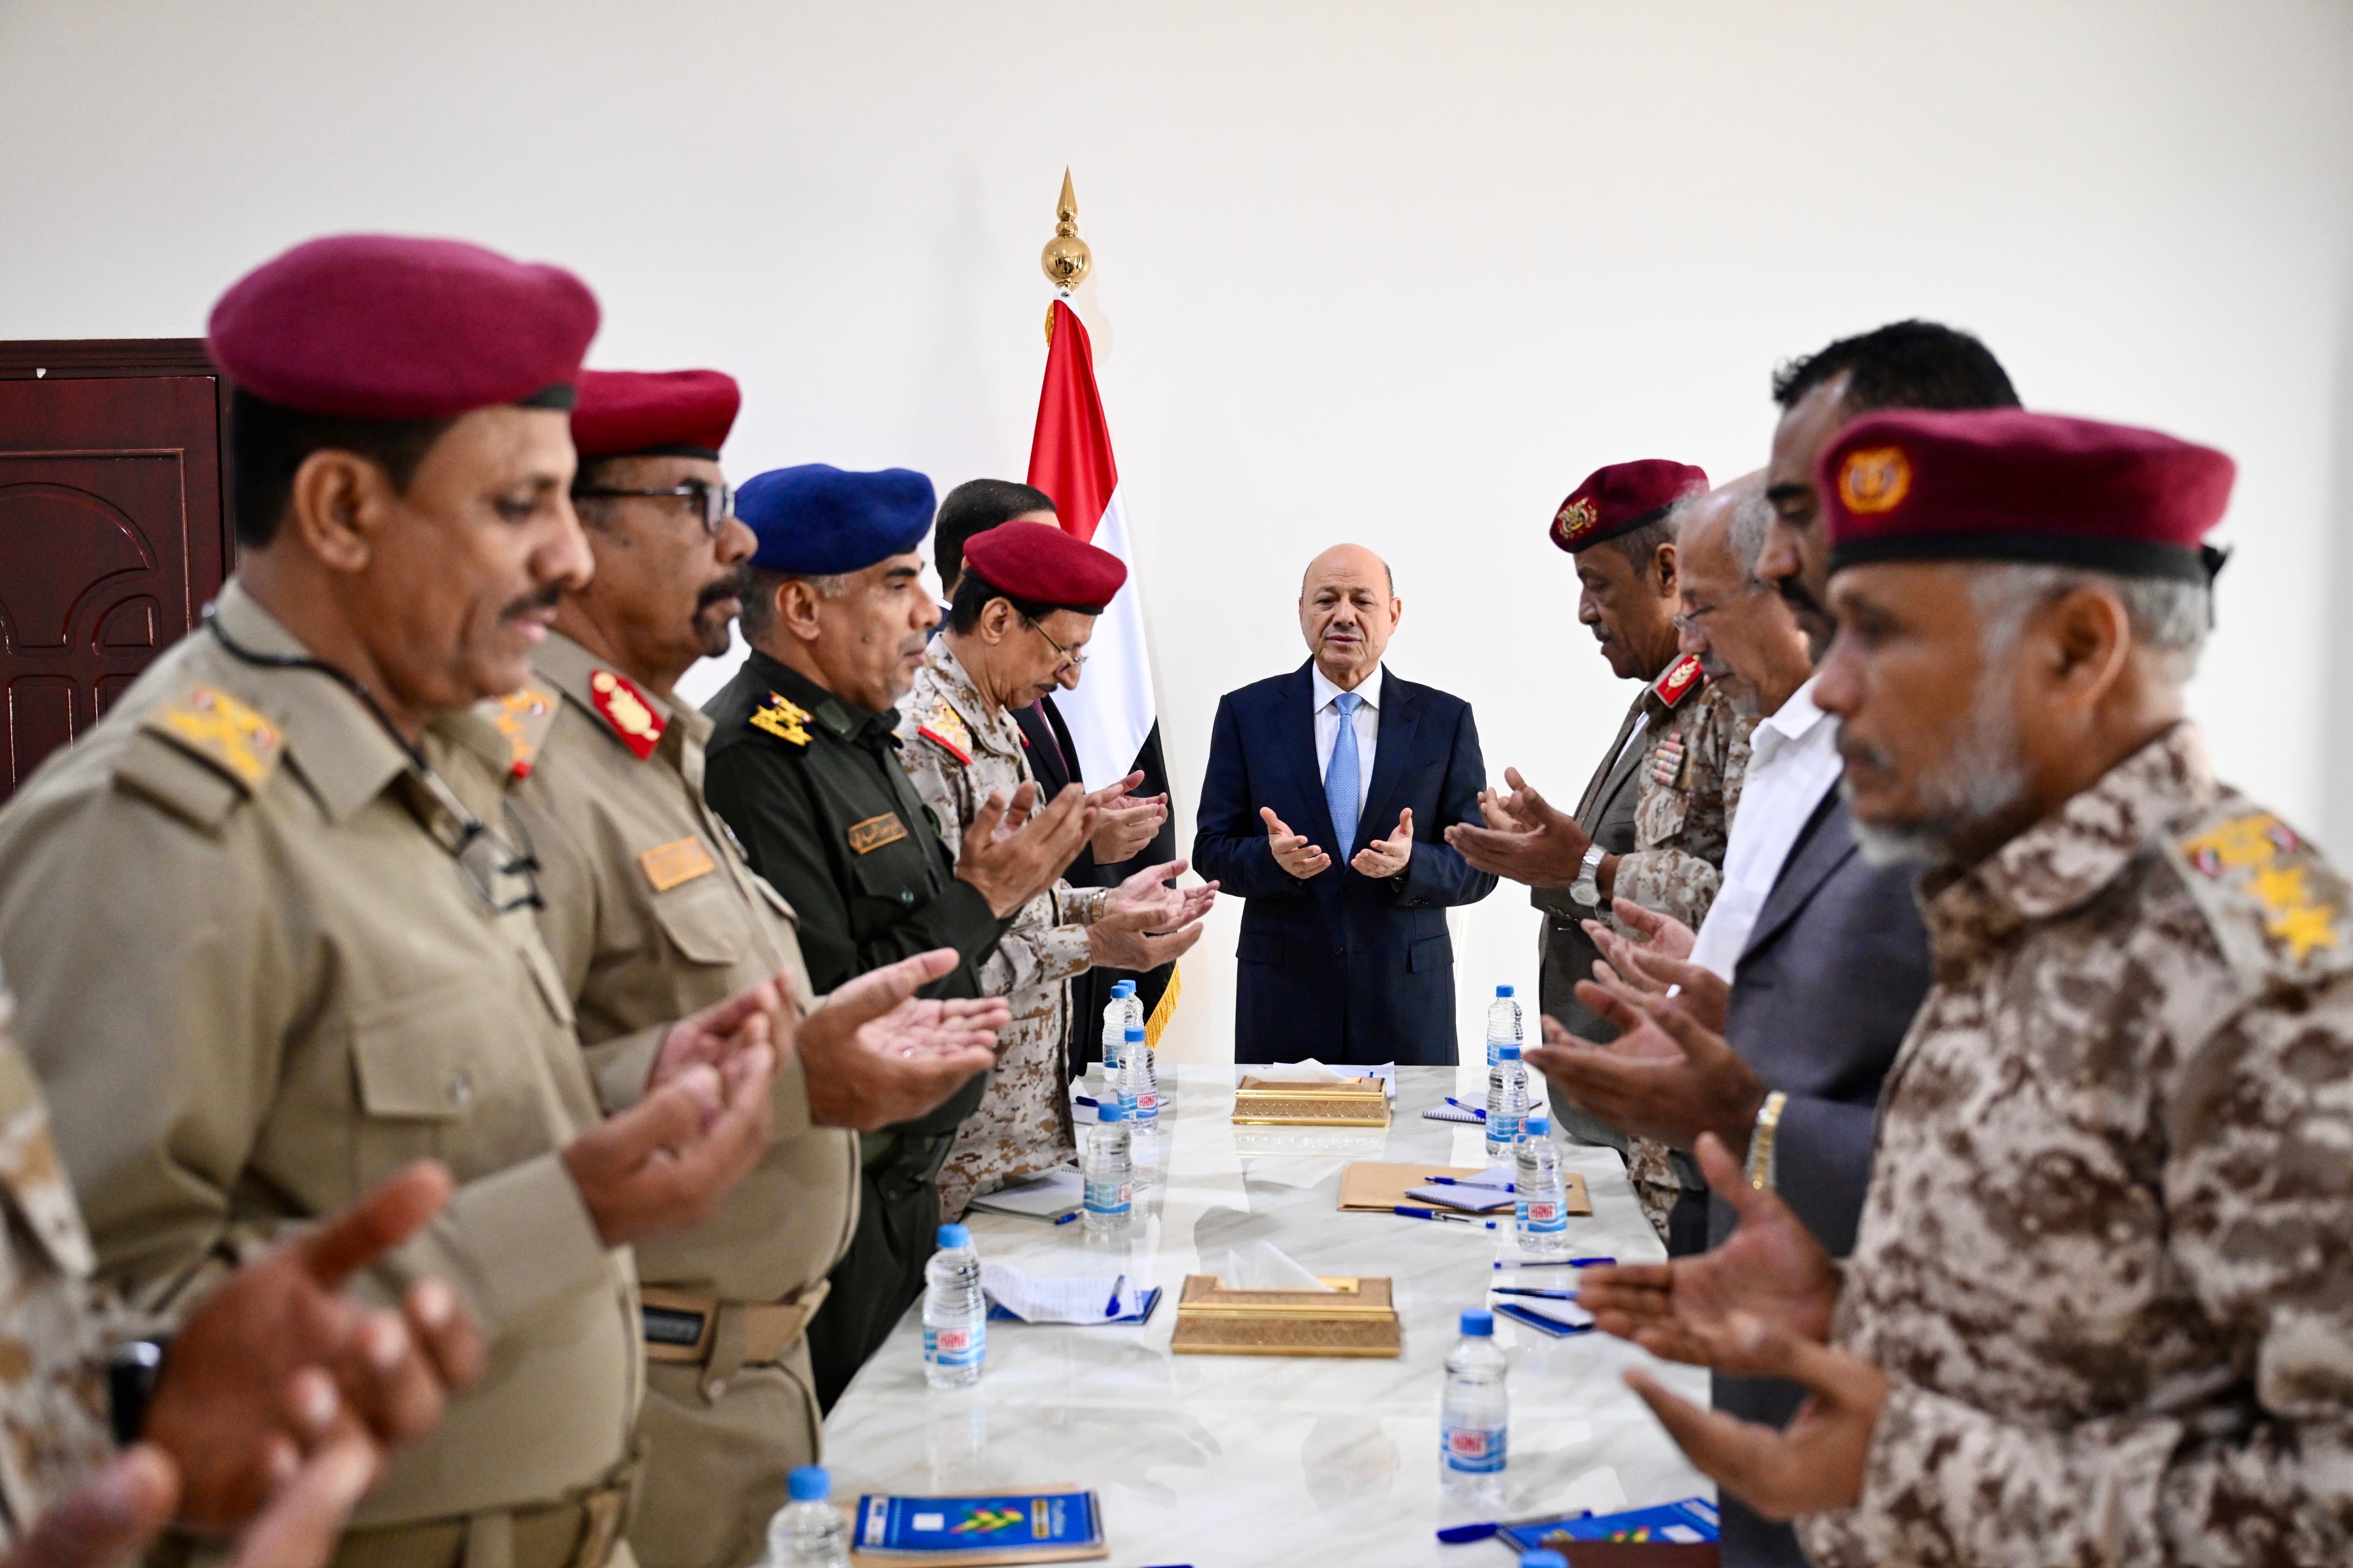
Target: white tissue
[[1308, 1071], [1263, 1265]]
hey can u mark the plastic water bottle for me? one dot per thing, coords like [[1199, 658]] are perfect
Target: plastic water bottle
[[1475, 1412], [1114, 1029], [808, 1531], [1109, 1170], [956, 1314], [1139, 1096], [1125, 991], [1151, 1057], [1507, 1101], [1542, 1200], [1502, 1022]]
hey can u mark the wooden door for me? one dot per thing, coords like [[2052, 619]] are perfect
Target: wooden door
[[113, 530]]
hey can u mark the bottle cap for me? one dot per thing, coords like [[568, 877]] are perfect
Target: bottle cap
[[1508, 1053], [808, 1483], [1543, 1557], [1124, 988], [1111, 1110], [1503, 991], [1539, 1126], [1135, 1033], [1479, 1322], [954, 1235]]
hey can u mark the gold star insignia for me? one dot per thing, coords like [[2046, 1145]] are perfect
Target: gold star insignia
[[2278, 888], [2304, 927], [2245, 841]]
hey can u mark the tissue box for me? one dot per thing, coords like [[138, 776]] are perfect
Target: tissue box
[[1357, 1318], [1346, 1103]]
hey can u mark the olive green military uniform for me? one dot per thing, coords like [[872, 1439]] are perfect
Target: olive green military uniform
[[257, 979], [652, 912], [810, 783]]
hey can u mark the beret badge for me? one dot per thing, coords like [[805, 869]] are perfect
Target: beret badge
[[1874, 480], [1575, 519]]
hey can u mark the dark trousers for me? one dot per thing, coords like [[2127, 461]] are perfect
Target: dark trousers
[[876, 1282]]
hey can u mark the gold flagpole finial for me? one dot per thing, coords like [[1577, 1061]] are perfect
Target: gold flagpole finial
[[1066, 256]]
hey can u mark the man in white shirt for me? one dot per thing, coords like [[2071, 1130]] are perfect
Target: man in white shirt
[[1344, 952]]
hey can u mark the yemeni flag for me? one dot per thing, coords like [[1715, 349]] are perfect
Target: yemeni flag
[[1114, 720]]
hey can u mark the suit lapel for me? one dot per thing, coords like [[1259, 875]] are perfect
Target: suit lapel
[[1297, 723], [1599, 789], [1400, 712], [1824, 844]]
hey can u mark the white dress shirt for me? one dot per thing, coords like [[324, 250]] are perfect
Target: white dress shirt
[[1793, 763], [1368, 729]]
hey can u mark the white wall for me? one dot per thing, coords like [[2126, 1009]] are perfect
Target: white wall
[[1392, 272]]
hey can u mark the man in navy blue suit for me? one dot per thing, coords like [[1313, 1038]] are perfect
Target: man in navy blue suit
[[1347, 963]]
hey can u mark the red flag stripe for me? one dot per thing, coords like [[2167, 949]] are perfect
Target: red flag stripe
[[1070, 455]]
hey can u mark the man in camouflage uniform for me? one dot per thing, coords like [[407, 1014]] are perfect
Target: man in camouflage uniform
[[652, 912], [249, 1384], [2099, 1311], [1652, 822], [1024, 611]]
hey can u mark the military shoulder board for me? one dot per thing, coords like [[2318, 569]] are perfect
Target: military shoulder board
[[1683, 678], [944, 728]]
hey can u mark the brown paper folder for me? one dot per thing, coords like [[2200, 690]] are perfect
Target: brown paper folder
[[1371, 1186]]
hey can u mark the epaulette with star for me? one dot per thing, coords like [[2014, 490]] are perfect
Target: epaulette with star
[[224, 732], [781, 717], [944, 728], [629, 712], [2275, 904], [524, 717], [1681, 678]]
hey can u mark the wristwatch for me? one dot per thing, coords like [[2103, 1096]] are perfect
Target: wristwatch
[[1764, 1173], [1587, 888]]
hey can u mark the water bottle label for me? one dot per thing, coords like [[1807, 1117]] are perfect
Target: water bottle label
[[1520, 1212], [954, 1347], [1545, 1213], [1503, 1127], [1475, 1450], [1147, 1105], [1109, 1197], [1493, 1046]]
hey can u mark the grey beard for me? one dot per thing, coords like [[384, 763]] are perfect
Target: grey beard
[[1986, 779]]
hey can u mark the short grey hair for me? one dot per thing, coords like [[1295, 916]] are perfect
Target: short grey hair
[[1751, 526], [2168, 616], [1639, 545], [760, 586]]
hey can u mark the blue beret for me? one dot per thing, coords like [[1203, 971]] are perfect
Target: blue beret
[[816, 520]]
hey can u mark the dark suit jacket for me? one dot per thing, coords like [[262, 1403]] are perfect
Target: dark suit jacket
[[1341, 967], [1824, 993]]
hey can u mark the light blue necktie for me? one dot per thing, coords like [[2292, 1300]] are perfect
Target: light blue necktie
[[1340, 778]]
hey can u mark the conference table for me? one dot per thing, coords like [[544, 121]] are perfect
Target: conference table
[[1223, 1461]]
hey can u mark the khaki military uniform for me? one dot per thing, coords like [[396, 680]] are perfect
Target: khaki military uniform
[[1683, 821], [959, 753], [53, 1420], [2103, 1256], [257, 978], [653, 913]]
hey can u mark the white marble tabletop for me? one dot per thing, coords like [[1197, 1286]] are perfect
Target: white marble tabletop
[[1225, 1461]]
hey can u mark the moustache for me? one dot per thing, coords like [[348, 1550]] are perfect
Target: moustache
[[1798, 594], [530, 604], [734, 586], [1715, 667], [1864, 755]]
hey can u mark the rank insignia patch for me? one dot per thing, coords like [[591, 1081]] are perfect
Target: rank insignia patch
[[620, 704], [867, 836], [2267, 864], [224, 732], [1681, 678], [784, 718], [524, 717], [944, 728]]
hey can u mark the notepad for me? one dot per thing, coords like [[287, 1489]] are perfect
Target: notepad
[[1047, 1196], [1013, 1527], [1078, 1298], [1452, 1113]]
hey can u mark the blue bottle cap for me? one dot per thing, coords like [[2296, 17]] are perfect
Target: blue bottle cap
[[1539, 1126], [1478, 1322], [1543, 1557], [1503, 991], [954, 1235], [1111, 1110], [1136, 1035], [1508, 1053], [808, 1483], [1124, 988]]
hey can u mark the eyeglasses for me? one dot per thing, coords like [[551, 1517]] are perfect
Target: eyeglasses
[[716, 502], [1075, 660]]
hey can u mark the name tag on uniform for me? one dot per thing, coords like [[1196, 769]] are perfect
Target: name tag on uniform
[[681, 860], [870, 835]]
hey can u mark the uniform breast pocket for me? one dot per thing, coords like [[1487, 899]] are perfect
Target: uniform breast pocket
[[702, 922], [1661, 815], [416, 1080], [896, 873]]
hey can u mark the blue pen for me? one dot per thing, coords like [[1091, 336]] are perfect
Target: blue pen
[[1464, 1181], [1552, 1325], [1522, 1290], [1070, 1217], [1111, 1308], [1564, 1263], [1473, 1109], [1456, 1534], [1407, 1211], [1084, 1099]]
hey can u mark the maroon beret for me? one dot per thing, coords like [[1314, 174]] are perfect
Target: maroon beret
[[1039, 561], [2002, 484], [654, 413], [375, 326], [1621, 498]]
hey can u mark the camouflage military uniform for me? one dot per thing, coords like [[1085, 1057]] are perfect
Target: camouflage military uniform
[[958, 753], [2104, 1255], [52, 1372], [1683, 820]]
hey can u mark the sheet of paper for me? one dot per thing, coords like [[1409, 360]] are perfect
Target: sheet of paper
[[1047, 1196], [1056, 1298], [1467, 1199]]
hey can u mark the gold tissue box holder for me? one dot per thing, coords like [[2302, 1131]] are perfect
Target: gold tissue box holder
[[1356, 1318], [1349, 1102]]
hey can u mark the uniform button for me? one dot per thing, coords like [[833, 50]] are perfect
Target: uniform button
[[1339, 952], [714, 1390], [461, 1087], [907, 895]]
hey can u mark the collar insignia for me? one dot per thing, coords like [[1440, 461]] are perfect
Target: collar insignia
[[524, 717], [628, 711], [783, 718], [224, 732], [1683, 678]]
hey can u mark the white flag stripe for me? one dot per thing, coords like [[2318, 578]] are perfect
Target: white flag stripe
[[1112, 711]]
